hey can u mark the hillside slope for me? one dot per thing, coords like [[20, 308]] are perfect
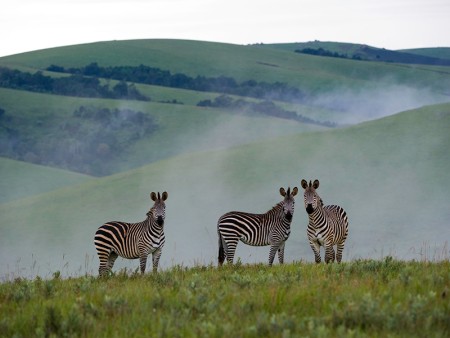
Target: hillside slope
[[20, 179], [391, 175], [243, 63], [47, 129]]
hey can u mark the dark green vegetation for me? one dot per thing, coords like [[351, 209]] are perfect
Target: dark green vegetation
[[388, 169], [75, 85], [428, 56], [363, 298], [87, 141]]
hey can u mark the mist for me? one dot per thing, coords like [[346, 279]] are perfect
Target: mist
[[392, 181], [384, 98]]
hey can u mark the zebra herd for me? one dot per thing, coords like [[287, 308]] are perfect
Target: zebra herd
[[327, 227]]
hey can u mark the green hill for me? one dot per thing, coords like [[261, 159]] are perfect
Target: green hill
[[243, 63], [46, 129], [437, 52], [49, 129], [20, 179], [391, 175]]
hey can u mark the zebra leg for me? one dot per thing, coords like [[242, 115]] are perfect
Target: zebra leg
[[111, 259], [143, 262], [155, 258], [316, 249], [281, 253], [273, 250], [329, 254], [230, 249], [222, 249], [104, 262], [340, 248]]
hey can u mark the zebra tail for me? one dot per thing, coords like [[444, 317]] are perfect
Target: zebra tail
[[221, 251]]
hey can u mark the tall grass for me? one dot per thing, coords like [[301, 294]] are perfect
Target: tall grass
[[360, 298]]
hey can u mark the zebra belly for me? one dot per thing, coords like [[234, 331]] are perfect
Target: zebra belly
[[260, 243], [133, 254]]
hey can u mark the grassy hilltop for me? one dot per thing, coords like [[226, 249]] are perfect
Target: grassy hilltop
[[364, 298]]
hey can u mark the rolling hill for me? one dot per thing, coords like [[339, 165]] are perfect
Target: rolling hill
[[389, 170], [20, 179], [254, 62], [341, 91], [391, 175]]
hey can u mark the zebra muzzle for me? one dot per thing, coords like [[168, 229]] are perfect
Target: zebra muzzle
[[309, 209], [160, 220], [288, 216]]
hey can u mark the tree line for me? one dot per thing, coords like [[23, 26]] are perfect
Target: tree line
[[260, 108], [73, 85], [155, 76]]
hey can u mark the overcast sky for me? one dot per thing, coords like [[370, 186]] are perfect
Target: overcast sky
[[27, 25]]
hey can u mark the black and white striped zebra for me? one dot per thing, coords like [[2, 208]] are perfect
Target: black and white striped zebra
[[133, 240], [328, 225], [272, 228]]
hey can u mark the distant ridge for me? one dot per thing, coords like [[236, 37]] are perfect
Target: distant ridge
[[425, 56]]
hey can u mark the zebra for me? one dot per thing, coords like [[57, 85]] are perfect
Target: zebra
[[272, 228], [328, 225], [133, 240]]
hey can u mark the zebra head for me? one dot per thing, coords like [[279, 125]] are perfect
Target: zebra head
[[158, 211], [288, 202], [312, 199]]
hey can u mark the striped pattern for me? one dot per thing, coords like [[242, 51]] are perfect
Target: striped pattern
[[328, 225], [272, 228], [133, 240]]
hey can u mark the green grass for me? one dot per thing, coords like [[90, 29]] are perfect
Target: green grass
[[362, 298]]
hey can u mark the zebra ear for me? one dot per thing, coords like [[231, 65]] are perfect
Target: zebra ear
[[316, 184], [304, 184], [165, 195], [294, 191], [153, 196], [282, 192]]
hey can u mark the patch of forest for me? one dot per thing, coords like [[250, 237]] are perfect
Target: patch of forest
[[367, 53], [260, 108], [88, 141], [222, 84], [74, 85]]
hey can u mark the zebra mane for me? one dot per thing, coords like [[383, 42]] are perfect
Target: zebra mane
[[149, 213], [277, 207]]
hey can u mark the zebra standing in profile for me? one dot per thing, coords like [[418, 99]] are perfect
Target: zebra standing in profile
[[328, 225], [272, 228], [133, 240]]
